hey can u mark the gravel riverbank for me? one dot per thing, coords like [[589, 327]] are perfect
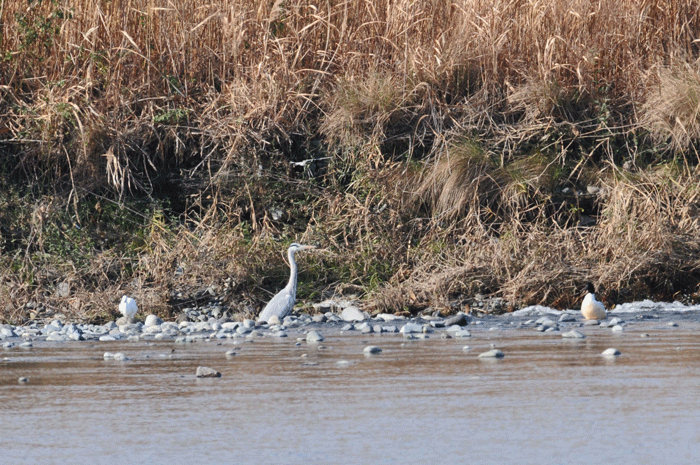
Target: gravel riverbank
[[312, 328]]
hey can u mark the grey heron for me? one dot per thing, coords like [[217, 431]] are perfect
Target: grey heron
[[283, 303], [591, 308]]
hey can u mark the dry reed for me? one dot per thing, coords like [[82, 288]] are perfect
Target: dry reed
[[114, 100]]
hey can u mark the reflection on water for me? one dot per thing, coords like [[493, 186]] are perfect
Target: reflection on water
[[548, 401]]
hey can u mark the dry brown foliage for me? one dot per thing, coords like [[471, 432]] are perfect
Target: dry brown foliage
[[112, 99], [671, 112]]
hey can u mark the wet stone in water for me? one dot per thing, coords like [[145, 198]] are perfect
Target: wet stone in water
[[206, 372], [611, 352], [460, 319], [566, 318], [493, 353], [411, 328], [372, 350], [573, 334], [314, 336]]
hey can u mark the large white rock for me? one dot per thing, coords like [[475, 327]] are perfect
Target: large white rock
[[353, 313], [314, 336], [611, 352], [152, 320], [206, 372], [390, 317], [411, 328]]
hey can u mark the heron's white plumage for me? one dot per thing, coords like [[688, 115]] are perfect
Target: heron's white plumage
[[128, 308], [282, 303], [591, 308]]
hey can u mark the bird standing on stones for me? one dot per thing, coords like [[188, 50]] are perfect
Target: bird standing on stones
[[128, 308], [590, 307], [282, 304]]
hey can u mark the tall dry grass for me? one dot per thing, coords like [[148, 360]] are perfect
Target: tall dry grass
[[243, 72], [207, 103]]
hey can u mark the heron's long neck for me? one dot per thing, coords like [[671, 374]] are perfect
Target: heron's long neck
[[292, 285]]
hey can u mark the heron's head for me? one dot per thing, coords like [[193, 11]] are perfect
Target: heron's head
[[294, 247]]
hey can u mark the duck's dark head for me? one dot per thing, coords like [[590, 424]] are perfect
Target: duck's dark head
[[590, 288]]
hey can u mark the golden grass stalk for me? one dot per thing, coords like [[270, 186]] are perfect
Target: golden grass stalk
[[671, 112]]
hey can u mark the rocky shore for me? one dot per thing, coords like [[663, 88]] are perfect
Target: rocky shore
[[202, 325]]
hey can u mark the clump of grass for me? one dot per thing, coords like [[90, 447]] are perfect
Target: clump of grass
[[671, 112], [463, 180], [467, 184], [362, 106]]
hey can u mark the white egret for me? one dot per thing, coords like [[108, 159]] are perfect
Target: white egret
[[282, 304], [128, 308], [591, 308]]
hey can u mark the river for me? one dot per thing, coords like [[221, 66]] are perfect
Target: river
[[550, 400]]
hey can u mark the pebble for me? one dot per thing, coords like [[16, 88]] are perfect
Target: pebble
[[314, 336], [453, 328], [545, 321], [387, 317], [611, 352], [617, 329], [206, 372], [371, 350], [152, 320], [460, 319], [610, 323], [26, 345], [573, 334], [353, 314], [411, 328], [230, 353], [493, 353], [591, 323], [672, 324], [23, 380], [121, 357]]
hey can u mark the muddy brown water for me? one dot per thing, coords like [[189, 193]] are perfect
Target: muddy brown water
[[548, 401]]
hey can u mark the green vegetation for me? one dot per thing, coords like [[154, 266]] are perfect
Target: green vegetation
[[435, 149]]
